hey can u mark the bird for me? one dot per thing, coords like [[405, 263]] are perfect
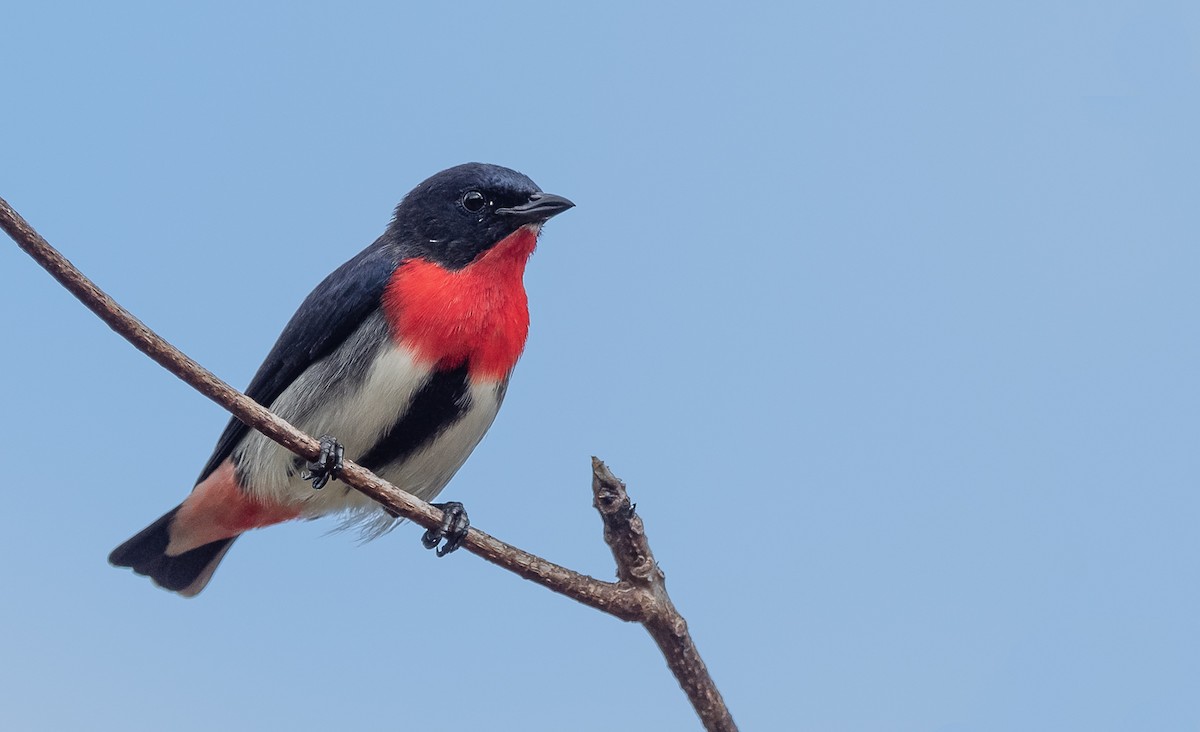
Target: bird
[[399, 359]]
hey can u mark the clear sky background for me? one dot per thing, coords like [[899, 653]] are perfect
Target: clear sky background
[[887, 315]]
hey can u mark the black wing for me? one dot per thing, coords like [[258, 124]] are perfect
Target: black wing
[[325, 319]]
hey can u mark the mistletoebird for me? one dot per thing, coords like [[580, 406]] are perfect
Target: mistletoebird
[[399, 359]]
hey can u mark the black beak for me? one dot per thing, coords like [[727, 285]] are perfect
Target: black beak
[[540, 207]]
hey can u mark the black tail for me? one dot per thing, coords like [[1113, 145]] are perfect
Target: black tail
[[187, 573]]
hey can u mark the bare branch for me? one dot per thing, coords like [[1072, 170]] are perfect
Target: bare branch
[[626, 536], [639, 594]]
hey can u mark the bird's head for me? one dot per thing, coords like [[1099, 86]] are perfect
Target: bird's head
[[458, 214]]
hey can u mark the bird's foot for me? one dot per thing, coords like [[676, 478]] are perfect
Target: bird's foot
[[327, 465], [453, 529]]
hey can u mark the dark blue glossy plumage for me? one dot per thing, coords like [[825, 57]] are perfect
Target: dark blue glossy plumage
[[327, 316]]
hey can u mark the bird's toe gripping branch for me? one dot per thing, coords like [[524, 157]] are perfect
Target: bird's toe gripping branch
[[453, 529], [328, 464]]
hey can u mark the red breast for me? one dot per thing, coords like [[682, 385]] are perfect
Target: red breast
[[477, 314]]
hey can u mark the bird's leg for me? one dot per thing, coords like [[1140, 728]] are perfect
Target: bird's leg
[[327, 465], [453, 529]]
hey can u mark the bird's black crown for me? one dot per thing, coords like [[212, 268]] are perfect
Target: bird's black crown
[[456, 215]]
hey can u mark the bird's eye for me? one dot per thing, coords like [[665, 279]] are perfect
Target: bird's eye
[[473, 201]]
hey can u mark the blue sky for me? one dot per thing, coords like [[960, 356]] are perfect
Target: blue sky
[[887, 315]]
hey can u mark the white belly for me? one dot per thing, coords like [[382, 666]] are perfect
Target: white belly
[[358, 418]]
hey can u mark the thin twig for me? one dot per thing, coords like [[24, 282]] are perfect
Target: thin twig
[[626, 536], [639, 594]]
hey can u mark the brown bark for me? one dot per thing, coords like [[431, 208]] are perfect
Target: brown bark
[[639, 595]]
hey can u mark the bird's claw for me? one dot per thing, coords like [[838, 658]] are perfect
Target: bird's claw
[[327, 465], [455, 525]]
